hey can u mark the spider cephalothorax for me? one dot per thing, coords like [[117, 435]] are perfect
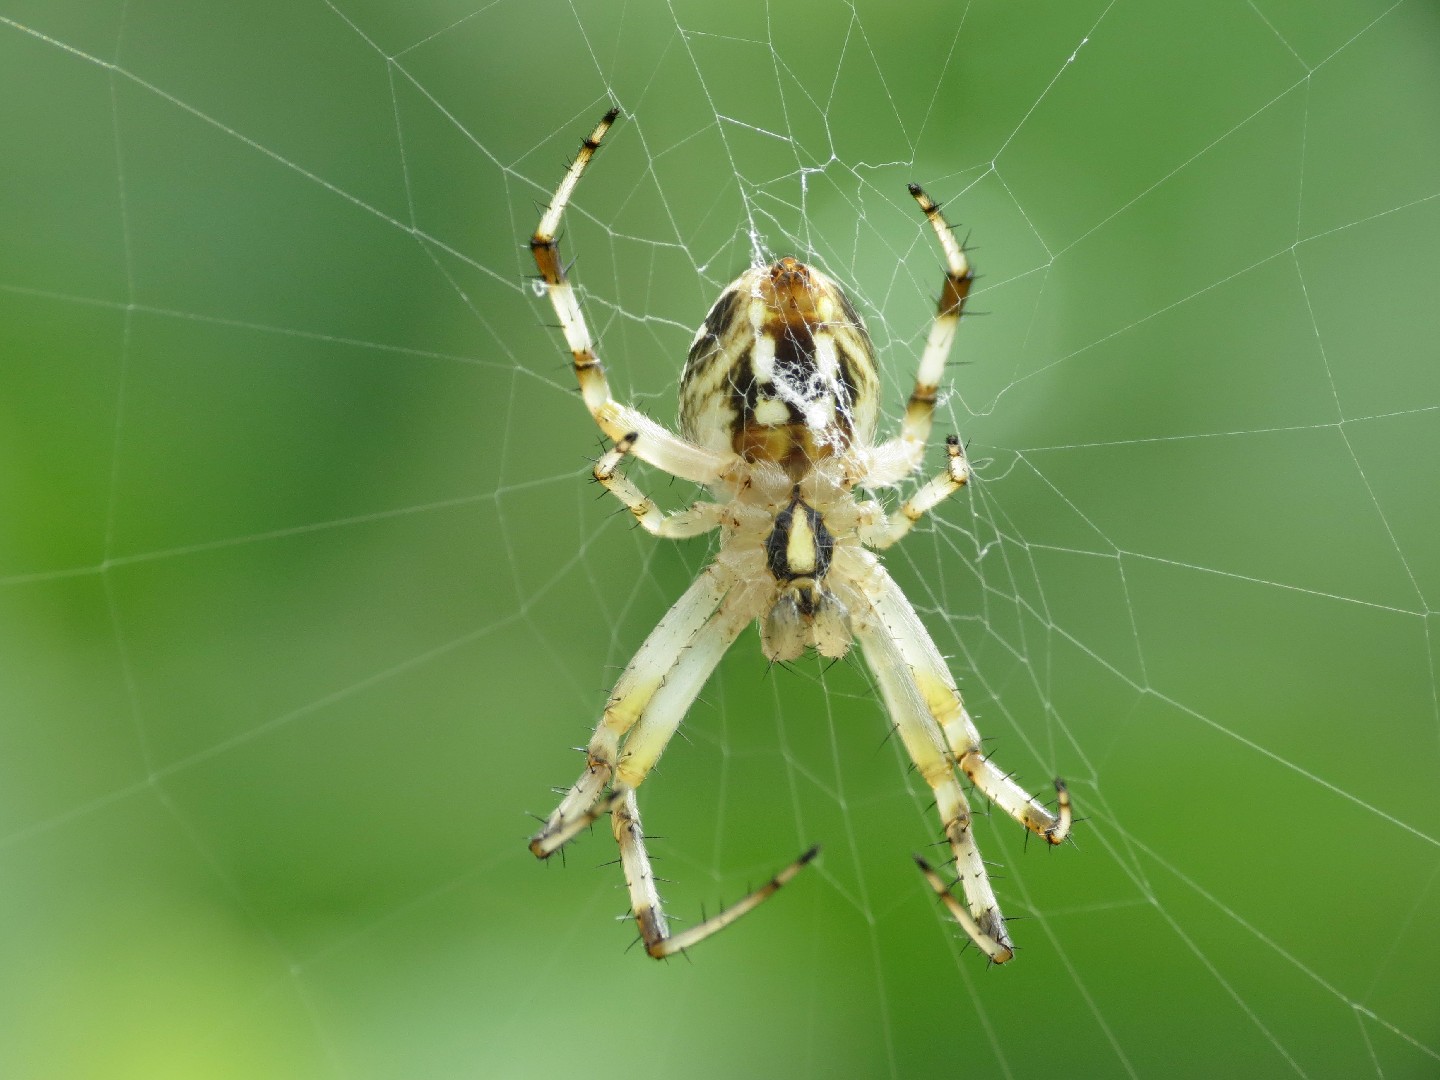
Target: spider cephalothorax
[[778, 407]]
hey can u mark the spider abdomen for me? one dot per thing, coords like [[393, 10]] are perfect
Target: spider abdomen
[[782, 370]]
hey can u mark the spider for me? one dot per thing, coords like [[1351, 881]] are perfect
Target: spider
[[778, 407]]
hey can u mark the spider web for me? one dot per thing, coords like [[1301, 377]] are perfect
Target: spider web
[[305, 596]]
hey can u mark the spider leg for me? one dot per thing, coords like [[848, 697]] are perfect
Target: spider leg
[[643, 746], [697, 519], [897, 458], [638, 684], [1003, 791], [883, 634], [659, 446], [658, 689], [958, 277], [957, 471], [942, 698], [645, 900]]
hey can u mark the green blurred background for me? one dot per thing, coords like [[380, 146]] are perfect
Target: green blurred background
[[305, 599]]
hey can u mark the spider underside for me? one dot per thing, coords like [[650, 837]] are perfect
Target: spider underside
[[778, 407]]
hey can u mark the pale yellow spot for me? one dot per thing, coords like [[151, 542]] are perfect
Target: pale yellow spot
[[623, 711], [771, 412], [827, 360], [820, 414], [940, 699], [800, 548], [762, 356]]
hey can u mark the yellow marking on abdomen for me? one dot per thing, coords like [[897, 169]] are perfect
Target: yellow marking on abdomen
[[800, 546]]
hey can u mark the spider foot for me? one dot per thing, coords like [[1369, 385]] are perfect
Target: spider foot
[[1064, 817], [987, 932], [561, 828], [662, 946]]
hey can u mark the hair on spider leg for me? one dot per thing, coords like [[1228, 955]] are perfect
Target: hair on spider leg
[[786, 665], [990, 961], [890, 734], [1069, 838], [916, 191], [927, 867], [629, 917]]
